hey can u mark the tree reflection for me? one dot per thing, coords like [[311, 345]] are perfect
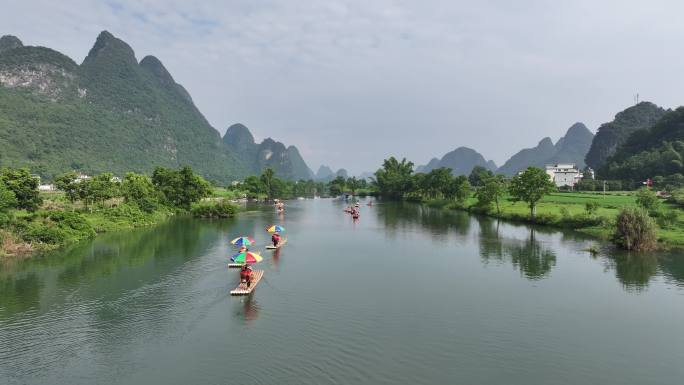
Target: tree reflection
[[124, 261], [633, 270], [532, 259], [529, 256], [397, 216], [19, 293]]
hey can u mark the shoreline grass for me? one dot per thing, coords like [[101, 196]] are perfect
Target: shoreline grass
[[568, 211]]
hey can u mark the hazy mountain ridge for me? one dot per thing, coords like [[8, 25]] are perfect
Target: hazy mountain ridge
[[461, 161], [285, 161], [112, 113], [571, 148]]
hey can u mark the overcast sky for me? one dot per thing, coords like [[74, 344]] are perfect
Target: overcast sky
[[352, 82]]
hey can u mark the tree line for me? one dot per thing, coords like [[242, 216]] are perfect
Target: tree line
[[397, 180]]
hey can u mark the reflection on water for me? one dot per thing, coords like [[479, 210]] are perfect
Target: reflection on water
[[532, 258], [405, 216], [343, 302], [633, 270]]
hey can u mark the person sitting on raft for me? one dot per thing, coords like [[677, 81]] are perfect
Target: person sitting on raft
[[246, 275], [275, 238], [243, 249]]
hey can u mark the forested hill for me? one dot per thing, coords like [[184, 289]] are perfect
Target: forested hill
[[110, 113], [650, 152], [613, 134]]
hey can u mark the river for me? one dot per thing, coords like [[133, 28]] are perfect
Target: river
[[404, 295]]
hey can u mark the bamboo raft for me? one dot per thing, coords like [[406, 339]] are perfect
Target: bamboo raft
[[271, 247], [234, 265], [242, 288]]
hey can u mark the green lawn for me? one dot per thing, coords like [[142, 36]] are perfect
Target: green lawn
[[568, 210]]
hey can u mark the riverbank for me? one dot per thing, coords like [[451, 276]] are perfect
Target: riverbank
[[52, 228], [57, 226], [571, 211]]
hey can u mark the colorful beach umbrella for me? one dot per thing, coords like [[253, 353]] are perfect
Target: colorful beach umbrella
[[275, 229], [243, 241], [246, 257]]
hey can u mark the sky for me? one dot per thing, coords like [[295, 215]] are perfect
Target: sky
[[352, 82]]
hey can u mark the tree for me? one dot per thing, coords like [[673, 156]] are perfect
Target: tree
[[393, 180], [138, 189], [647, 199], [24, 186], [337, 186], [458, 188], [491, 191], [254, 186], [353, 184], [7, 202], [437, 183], [180, 188], [69, 184], [267, 178], [102, 187], [478, 176], [7, 198], [193, 186], [530, 186]]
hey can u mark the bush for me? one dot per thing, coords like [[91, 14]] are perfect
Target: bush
[[666, 217], [648, 199], [55, 228], [635, 230], [591, 207], [215, 209]]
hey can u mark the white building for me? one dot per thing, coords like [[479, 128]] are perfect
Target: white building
[[564, 174]]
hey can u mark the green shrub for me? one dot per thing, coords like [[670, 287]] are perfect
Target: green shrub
[[54, 227], [635, 230], [648, 199], [665, 217], [591, 207], [215, 209]]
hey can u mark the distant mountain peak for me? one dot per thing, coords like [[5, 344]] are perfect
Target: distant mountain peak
[[238, 135], [324, 173], [545, 142], [110, 47], [461, 161], [9, 42], [156, 67]]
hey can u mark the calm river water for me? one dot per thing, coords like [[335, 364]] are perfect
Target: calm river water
[[406, 295]]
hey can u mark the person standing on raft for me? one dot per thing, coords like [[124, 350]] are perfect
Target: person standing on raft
[[246, 275], [275, 238]]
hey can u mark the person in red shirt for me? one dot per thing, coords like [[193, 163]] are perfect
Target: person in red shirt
[[246, 275], [275, 238]]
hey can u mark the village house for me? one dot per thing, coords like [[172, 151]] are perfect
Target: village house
[[564, 174]]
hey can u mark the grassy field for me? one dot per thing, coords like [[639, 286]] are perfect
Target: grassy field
[[568, 210]]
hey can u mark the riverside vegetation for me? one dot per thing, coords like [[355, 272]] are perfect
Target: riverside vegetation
[[31, 221], [634, 220]]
